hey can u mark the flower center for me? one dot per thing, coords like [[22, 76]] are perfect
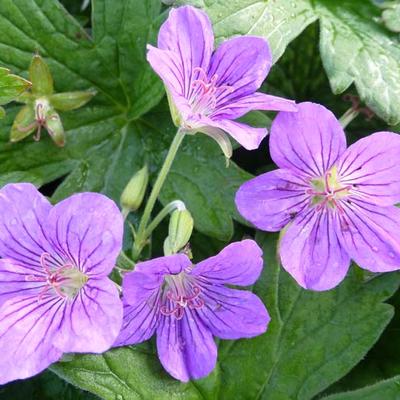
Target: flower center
[[205, 92], [180, 293], [66, 279], [328, 191]]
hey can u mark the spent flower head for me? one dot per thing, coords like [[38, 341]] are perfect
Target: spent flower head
[[55, 296], [337, 204], [187, 305], [42, 105], [209, 89]]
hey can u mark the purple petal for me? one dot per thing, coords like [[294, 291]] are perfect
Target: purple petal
[[308, 142], [249, 137], [163, 265], [239, 263], [188, 34], [233, 314], [241, 63], [256, 101], [186, 347], [270, 201], [372, 164], [92, 320], [141, 305], [26, 330], [371, 235], [87, 229], [15, 280], [311, 252], [23, 211]]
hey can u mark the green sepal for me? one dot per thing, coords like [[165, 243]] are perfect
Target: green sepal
[[40, 76], [11, 86], [175, 115], [133, 194], [71, 100], [54, 127], [24, 124]]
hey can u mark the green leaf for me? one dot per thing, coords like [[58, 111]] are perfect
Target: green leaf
[[387, 390], [355, 47], [125, 373], [314, 338], [391, 17], [110, 139], [11, 86]]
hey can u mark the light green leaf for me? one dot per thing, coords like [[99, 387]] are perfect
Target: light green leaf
[[355, 47], [385, 390], [391, 17]]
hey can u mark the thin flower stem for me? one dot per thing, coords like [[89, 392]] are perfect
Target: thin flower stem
[[141, 238], [174, 205], [348, 116]]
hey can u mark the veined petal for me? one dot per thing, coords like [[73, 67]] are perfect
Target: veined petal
[[186, 347], [16, 280], [26, 330], [371, 235], [372, 166], [242, 63], [139, 323], [160, 266], [256, 101], [271, 200], [308, 141], [311, 252], [187, 33], [233, 314], [141, 303], [92, 320], [87, 229], [249, 137], [23, 211], [239, 263]]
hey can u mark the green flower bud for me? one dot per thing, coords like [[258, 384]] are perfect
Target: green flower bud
[[179, 231], [40, 76], [133, 194], [71, 100]]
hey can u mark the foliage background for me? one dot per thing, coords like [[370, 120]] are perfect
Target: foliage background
[[319, 345]]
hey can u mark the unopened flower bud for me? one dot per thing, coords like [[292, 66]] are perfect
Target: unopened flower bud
[[133, 194], [179, 231], [40, 76]]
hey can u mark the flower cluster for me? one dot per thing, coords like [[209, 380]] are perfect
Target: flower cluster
[[332, 205]]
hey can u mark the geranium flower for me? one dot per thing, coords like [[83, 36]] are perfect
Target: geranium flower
[[208, 90], [336, 204], [186, 305], [55, 296]]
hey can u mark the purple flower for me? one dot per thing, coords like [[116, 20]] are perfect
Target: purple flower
[[187, 305], [55, 296], [337, 204], [210, 89]]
